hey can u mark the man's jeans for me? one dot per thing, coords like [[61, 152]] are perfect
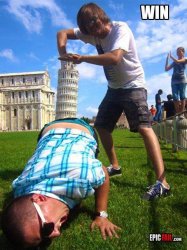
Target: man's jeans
[[158, 116]]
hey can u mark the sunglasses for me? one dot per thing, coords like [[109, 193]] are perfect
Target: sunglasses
[[47, 228]]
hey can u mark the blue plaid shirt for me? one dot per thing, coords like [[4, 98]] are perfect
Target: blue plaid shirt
[[63, 167]]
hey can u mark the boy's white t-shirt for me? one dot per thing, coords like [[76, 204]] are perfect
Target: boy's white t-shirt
[[129, 72]]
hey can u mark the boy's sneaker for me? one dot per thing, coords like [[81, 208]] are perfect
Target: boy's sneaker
[[113, 172], [155, 191]]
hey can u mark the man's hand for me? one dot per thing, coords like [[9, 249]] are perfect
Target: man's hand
[[75, 58], [106, 227]]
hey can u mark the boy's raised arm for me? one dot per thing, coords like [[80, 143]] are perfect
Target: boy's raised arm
[[62, 37]]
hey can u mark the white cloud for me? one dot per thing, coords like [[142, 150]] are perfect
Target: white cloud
[[177, 9], [8, 54], [101, 78], [81, 99], [156, 38], [33, 56], [53, 65], [92, 110], [55, 98], [86, 48], [156, 82], [29, 13], [117, 10], [160, 81], [160, 38], [74, 46], [87, 71], [79, 47], [92, 72]]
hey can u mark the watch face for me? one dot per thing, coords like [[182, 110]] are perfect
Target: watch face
[[103, 214]]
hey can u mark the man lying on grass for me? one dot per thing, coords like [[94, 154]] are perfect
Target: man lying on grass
[[62, 171]]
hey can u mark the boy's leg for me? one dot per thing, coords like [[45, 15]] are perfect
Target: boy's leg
[[138, 117], [161, 188], [182, 96], [154, 153], [107, 141], [108, 114], [175, 91]]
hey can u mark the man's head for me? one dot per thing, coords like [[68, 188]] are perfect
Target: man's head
[[180, 52], [92, 20], [160, 92], [169, 97], [33, 219]]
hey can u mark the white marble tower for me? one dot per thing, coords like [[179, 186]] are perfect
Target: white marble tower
[[67, 91]]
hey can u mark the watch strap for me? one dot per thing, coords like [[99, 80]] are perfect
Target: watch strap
[[102, 214]]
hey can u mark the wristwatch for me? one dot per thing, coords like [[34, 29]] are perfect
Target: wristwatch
[[102, 214]]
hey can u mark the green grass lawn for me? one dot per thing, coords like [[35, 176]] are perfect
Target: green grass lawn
[[136, 217]]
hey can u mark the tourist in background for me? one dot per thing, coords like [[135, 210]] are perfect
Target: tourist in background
[[169, 106], [158, 115], [153, 111], [178, 80]]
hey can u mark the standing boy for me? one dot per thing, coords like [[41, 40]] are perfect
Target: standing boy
[[126, 92]]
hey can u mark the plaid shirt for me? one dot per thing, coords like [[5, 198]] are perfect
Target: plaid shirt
[[63, 167]]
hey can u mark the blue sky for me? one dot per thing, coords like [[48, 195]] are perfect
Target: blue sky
[[28, 42]]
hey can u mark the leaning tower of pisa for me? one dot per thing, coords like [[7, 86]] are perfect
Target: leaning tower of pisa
[[67, 91]]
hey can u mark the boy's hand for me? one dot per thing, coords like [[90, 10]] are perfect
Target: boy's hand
[[106, 227], [75, 58]]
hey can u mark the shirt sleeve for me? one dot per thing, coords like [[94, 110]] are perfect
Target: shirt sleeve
[[121, 37], [83, 37]]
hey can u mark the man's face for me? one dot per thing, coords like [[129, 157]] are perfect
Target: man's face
[[48, 223], [95, 27], [180, 53]]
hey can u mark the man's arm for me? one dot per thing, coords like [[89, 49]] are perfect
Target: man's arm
[[159, 100], [62, 37], [178, 60], [106, 227], [109, 58], [167, 66], [101, 194]]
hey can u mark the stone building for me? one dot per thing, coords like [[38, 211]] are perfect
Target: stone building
[[26, 101], [67, 91]]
